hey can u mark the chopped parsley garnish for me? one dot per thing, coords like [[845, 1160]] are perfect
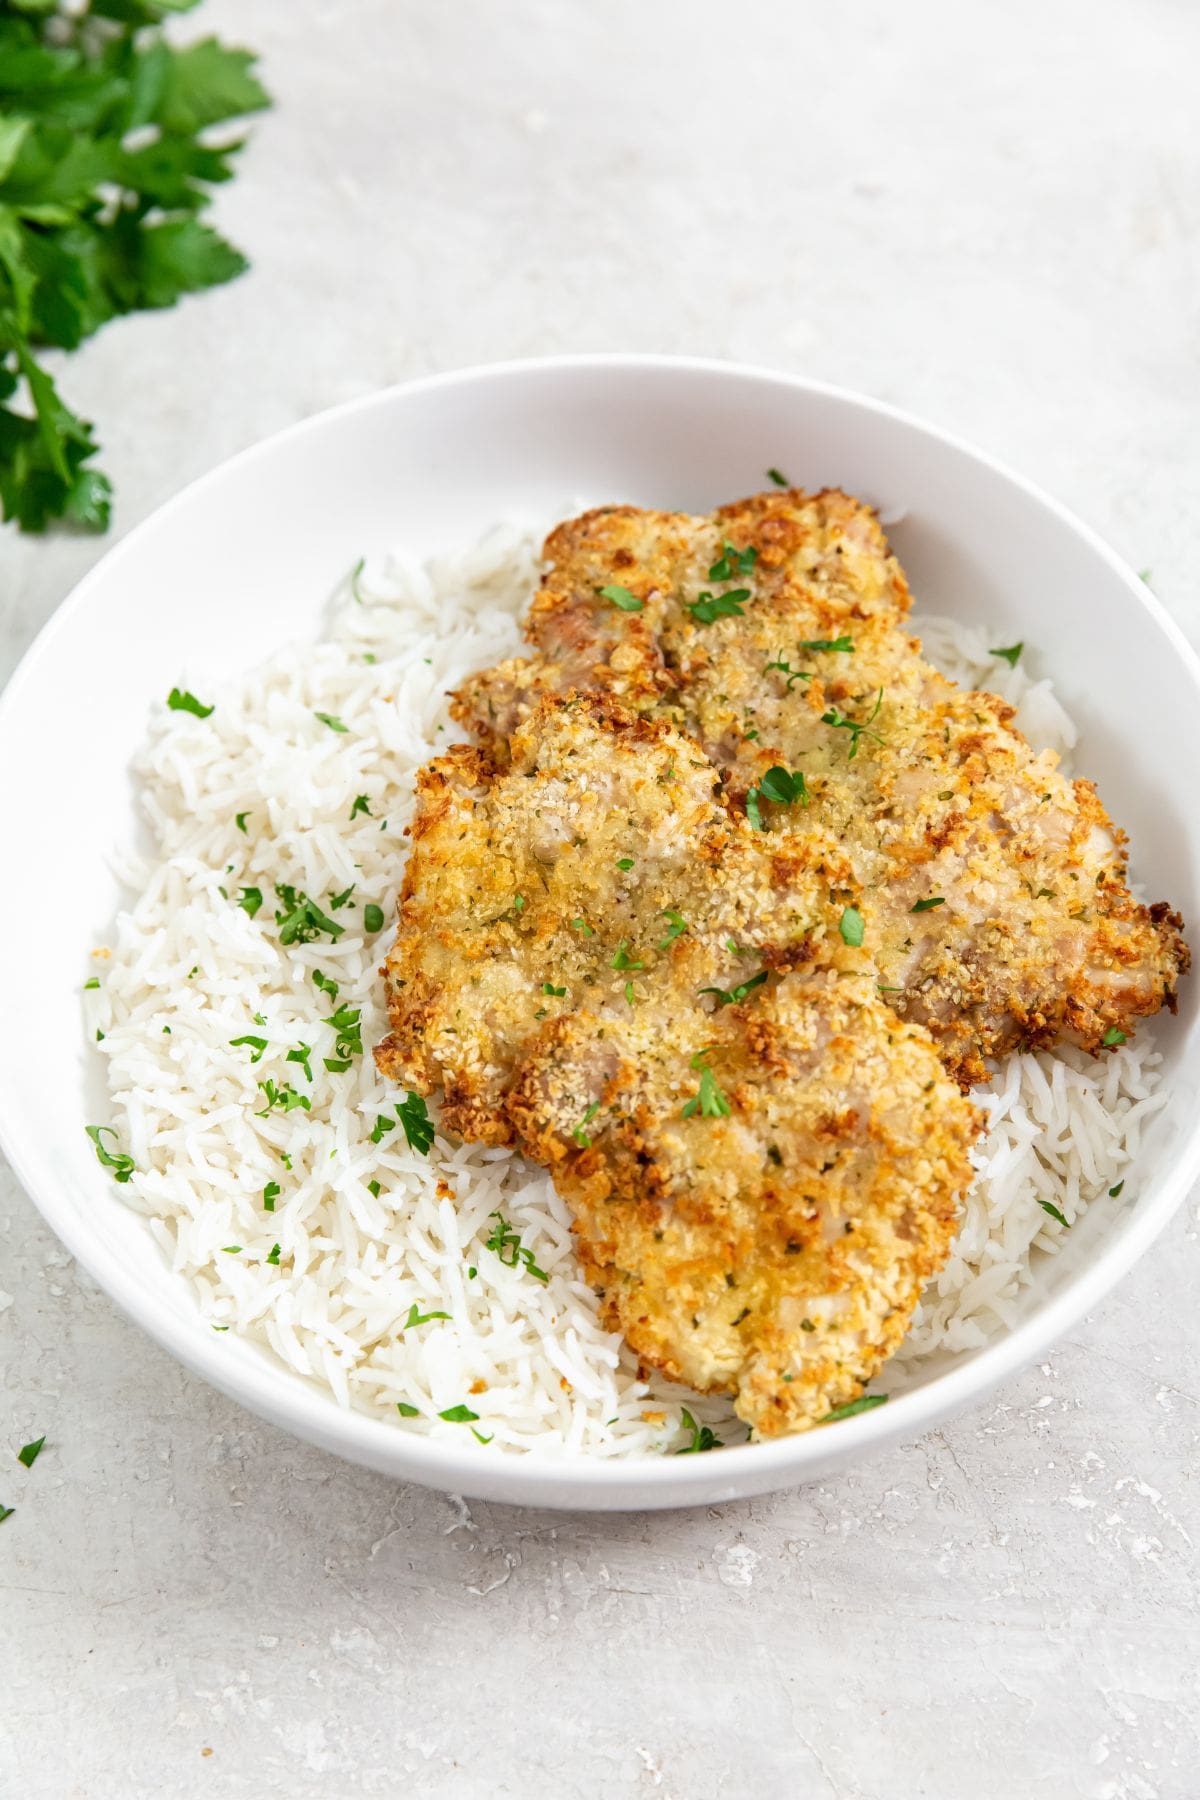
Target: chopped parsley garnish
[[1048, 1207], [241, 821], [300, 1055], [710, 607], [382, 1124], [621, 597], [337, 901], [1113, 1036], [458, 1415], [333, 723], [271, 1194], [622, 959], [325, 984], [548, 987], [710, 1102], [273, 1258], [843, 645], [779, 786], [508, 1247], [851, 925], [579, 1134], [231, 1249], [417, 1317], [302, 919], [518, 904], [406, 1411], [360, 806], [347, 1022], [582, 925], [28, 1454], [858, 728], [625, 862], [355, 573], [375, 1188], [413, 1114], [732, 562], [676, 926], [734, 996], [702, 1436], [480, 1438], [1114, 1191], [121, 1165], [864, 1403], [779, 480], [93, 981], [786, 668], [1012, 655], [179, 700], [6, 1512], [283, 1097], [257, 1045], [373, 916], [928, 905]]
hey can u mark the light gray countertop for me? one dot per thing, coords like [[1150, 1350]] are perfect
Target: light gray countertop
[[989, 215]]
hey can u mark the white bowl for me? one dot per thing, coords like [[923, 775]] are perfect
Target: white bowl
[[216, 580]]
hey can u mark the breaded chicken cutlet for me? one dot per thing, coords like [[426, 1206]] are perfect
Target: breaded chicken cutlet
[[601, 963], [772, 633]]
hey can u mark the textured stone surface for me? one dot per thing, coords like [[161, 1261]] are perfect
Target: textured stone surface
[[988, 215]]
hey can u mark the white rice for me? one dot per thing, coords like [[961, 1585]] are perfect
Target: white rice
[[190, 970]]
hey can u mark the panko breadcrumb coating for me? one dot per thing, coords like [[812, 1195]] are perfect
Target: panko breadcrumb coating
[[678, 1015], [772, 633]]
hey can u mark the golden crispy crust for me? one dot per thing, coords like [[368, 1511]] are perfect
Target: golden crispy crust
[[933, 793], [590, 942]]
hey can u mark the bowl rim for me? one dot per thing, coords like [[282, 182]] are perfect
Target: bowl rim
[[277, 1394]]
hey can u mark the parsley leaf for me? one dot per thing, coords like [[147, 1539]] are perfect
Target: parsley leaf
[[857, 728], [179, 700], [702, 1436], [458, 1415], [121, 1165], [621, 597], [258, 1046], [775, 785], [360, 806], [417, 1317], [250, 899], [844, 645], [102, 173], [333, 723], [1048, 1207], [852, 925], [271, 1194], [413, 1114], [676, 926], [928, 905], [406, 1411], [1011, 656], [733, 996], [779, 480], [578, 1133], [864, 1403], [29, 1453], [506, 1243], [710, 1102], [6, 1512], [622, 958], [710, 607], [732, 562], [1112, 1037], [241, 821], [302, 919]]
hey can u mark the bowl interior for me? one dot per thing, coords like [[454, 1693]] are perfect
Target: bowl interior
[[245, 559]]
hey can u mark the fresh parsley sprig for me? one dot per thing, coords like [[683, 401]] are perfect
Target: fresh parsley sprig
[[107, 160]]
